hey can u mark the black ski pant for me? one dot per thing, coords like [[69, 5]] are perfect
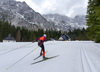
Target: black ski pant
[[42, 46]]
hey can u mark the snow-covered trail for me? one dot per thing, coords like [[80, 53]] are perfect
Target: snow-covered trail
[[74, 56], [91, 58]]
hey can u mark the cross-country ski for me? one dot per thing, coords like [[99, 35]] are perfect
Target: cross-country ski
[[47, 58], [39, 56]]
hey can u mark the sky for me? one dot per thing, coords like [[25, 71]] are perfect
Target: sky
[[69, 8]]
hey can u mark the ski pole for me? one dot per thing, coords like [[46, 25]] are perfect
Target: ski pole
[[21, 59], [15, 49]]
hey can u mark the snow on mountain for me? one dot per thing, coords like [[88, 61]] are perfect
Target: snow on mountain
[[65, 23], [80, 19], [74, 56], [20, 14]]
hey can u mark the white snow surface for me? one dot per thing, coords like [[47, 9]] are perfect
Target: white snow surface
[[74, 56]]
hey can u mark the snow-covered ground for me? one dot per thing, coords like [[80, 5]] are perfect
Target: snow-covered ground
[[74, 56]]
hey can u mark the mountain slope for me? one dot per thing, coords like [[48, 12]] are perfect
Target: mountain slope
[[64, 23], [20, 14], [74, 56]]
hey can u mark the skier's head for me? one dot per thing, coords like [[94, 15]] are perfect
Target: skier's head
[[44, 35]]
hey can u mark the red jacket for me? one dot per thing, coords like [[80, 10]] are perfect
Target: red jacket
[[43, 38]]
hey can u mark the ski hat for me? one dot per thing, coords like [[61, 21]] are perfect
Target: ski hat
[[44, 35]]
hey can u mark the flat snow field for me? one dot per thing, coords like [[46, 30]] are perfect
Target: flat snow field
[[73, 56]]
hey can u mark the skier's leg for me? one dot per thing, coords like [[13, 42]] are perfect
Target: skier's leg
[[41, 52], [42, 46]]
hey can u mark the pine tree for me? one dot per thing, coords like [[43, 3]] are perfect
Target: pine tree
[[18, 36], [0, 31], [93, 20], [97, 25], [32, 36]]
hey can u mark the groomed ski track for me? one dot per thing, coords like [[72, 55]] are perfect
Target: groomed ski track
[[74, 56]]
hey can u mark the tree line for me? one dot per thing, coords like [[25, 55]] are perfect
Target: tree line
[[78, 34], [23, 34]]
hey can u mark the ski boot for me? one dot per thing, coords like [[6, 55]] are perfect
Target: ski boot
[[40, 54], [44, 58]]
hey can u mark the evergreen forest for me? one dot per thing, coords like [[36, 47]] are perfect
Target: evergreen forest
[[25, 35]]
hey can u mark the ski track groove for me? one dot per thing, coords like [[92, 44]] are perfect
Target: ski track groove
[[96, 52], [85, 62], [81, 59], [93, 66]]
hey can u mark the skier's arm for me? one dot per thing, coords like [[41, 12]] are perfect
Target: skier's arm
[[37, 39]]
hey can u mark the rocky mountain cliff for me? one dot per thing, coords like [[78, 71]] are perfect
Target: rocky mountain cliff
[[65, 23], [20, 14]]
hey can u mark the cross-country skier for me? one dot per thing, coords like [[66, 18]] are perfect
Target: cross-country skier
[[40, 44]]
